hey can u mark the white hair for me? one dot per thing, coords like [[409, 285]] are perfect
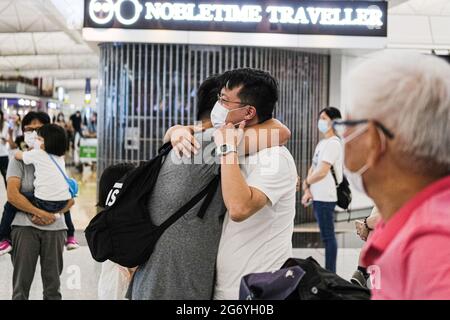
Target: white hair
[[409, 93]]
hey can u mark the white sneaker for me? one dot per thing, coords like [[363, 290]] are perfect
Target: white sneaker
[[71, 243]]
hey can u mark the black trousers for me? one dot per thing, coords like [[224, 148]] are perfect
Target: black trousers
[[4, 167]]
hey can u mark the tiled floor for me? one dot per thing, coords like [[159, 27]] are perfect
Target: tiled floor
[[80, 274]]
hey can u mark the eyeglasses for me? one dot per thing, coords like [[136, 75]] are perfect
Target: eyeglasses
[[340, 126], [28, 129], [223, 101]]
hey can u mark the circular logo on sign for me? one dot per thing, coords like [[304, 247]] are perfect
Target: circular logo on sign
[[137, 12], [101, 11]]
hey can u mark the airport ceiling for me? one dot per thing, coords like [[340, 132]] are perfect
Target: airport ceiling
[[43, 37]]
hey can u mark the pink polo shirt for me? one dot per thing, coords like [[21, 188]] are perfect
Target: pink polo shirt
[[410, 254]]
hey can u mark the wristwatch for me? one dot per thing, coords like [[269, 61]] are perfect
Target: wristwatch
[[225, 149], [366, 225]]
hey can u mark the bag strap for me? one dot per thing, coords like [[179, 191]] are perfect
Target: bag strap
[[209, 190], [333, 173], [334, 176], [165, 149], [59, 168]]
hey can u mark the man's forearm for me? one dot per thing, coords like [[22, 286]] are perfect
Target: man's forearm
[[236, 193], [23, 204], [316, 177], [270, 133]]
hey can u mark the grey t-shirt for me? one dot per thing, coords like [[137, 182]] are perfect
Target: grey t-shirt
[[25, 173], [182, 266]]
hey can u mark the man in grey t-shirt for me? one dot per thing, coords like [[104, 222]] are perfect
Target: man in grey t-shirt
[[35, 233], [182, 266]]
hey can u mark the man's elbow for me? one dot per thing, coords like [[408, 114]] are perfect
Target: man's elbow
[[239, 212]]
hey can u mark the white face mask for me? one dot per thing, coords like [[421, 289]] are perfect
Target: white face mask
[[356, 178], [219, 114], [30, 138]]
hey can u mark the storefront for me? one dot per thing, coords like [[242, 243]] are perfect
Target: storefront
[[154, 55]]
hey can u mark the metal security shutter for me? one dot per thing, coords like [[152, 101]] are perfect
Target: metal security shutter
[[146, 88]]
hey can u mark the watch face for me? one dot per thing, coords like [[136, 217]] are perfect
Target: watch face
[[223, 148]]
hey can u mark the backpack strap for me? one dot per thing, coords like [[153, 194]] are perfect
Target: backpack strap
[[212, 187], [165, 149], [209, 190], [333, 173], [334, 176]]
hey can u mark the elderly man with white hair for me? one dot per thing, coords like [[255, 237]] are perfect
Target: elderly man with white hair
[[396, 134]]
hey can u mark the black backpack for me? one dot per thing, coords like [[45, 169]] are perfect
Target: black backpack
[[123, 232], [344, 194], [320, 284]]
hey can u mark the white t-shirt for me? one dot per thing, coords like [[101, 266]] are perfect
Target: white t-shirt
[[113, 282], [49, 183], [263, 242], [330, 151], [4, 147]]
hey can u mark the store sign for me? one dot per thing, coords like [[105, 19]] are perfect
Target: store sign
[[88, 150], [355, 18]]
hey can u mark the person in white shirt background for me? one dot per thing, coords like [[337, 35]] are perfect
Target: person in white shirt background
[[258, 190], [320, 185], [5, 144]]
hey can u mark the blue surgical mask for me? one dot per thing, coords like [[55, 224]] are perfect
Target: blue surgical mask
[[323, 126]]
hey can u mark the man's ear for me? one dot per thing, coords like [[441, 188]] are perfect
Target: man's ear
[[250, 113], [376, 147]]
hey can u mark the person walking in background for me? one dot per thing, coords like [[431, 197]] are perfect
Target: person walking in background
[[396, 136], [76, 128], [76, 123], [92, 124], [61, 121], [5, 144], [320, 184]]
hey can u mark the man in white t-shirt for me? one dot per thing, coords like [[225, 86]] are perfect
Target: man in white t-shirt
[[259, 194]]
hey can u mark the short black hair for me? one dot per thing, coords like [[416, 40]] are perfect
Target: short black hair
[[332, 113], [55, 139], [259, 89], [207, 96], [20, 143], [33, 115], [109, 177]]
